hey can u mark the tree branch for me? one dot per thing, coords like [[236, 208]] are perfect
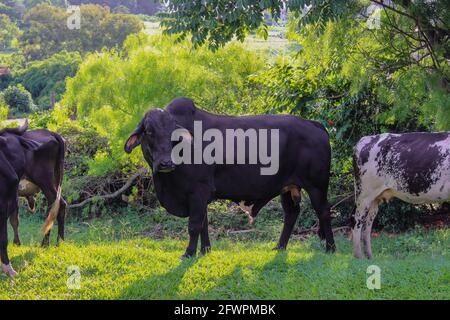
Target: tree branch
[[381, 3], [113, 195]]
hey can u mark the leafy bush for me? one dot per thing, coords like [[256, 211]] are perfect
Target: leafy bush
[[3, 109], [18, 99], [113, 90], [45, 79]]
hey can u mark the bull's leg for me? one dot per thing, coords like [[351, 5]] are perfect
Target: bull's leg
[[31, 203], [367, 231], [46, 240], [50, 193], [320, 204], [291, 212], [198, 207], [61, 219], [6, 264], [204, 238], [14, 221], [195, 226]]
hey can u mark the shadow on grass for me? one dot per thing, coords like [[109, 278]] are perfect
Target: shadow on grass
[[239, 284], [21, 261], [161, 286]]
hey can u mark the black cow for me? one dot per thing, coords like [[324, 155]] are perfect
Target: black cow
[[185, 190], [44, 170], [14, 149]]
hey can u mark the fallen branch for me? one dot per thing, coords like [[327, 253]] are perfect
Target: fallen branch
[[113, 195], [315, 229], [241, 231], [342, 200]]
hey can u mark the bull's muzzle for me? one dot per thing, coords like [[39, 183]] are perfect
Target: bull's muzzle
[[166, 166]]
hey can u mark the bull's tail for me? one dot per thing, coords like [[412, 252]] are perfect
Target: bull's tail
[[53, 213], [59, 174]]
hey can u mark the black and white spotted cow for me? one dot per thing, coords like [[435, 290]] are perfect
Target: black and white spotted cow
[[414, 167]]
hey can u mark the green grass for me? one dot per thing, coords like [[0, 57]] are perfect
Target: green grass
[[117, 261]]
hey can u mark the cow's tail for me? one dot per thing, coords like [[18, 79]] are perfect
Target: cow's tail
[[59, 174], [356, 186]]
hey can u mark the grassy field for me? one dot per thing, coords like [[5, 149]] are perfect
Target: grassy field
[[132, 257], [276, 44]]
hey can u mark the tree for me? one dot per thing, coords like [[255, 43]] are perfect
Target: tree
[[46, 78], [18, 99], [218, 21], [404, 60], [48, 32], [116, 28], [8, 32]]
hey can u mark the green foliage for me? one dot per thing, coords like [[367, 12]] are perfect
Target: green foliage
[[8, 32], [4, 110], [113, 91], [45, 79], [48, 32], [18, 99], [11, 8], [218, 22], [121, 9], [402, 66]]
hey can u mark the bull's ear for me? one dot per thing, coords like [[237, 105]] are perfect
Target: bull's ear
[[135, 138], [184, 133]]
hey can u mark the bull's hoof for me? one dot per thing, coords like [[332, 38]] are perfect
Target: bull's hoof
[[204, 251], [187, 255], [45, 244], [279, 248], [8, 269], [17, 242], [321, 234], [59, 241], [330, 248]]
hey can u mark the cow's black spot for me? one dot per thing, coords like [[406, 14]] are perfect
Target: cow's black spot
[[412, 159], [365, 150], [357, 175]]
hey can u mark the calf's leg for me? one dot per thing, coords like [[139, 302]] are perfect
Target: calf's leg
[[291, 212]]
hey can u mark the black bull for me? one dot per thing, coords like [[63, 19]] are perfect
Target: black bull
[[20, 152], [186, 189]]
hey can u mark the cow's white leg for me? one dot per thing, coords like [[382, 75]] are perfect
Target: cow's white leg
[[367, 231], [359, 222]]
